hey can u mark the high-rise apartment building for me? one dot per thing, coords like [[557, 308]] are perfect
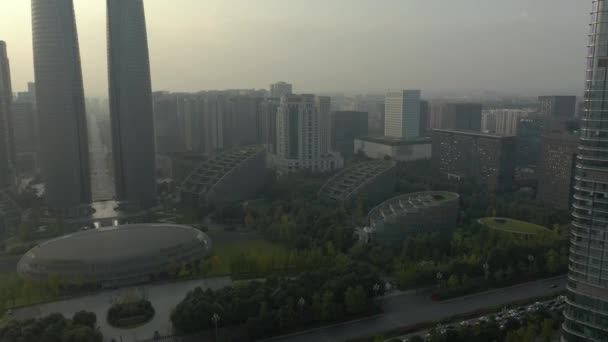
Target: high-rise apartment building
[[556, 169], [280, 89], [131, 110], [346, 126], [7, 141], [586, 311], [300, 137], [486, 158], [456, 116], [60, 103], [507, 121], [402, 114]]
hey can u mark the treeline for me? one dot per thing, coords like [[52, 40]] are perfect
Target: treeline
[[281, 305], [471, 258], [53, 328]]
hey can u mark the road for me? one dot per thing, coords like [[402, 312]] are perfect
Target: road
[[164, 298], [410, 309]]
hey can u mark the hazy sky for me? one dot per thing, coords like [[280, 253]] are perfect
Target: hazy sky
[[334, 45]]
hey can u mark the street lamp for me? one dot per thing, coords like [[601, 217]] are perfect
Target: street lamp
[[376, 288], [215, 318], [531, 260], [486, 269], [301, 303]]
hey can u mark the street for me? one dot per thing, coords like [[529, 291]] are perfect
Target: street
[[410, 309]]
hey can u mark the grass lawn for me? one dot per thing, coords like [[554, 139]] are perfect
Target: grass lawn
[[514, 226], [229, 250]]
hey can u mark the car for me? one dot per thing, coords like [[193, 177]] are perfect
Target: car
[[465, 324], [553, 286], [9, 312]]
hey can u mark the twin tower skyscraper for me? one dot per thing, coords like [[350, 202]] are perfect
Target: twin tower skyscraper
[[60, 102]]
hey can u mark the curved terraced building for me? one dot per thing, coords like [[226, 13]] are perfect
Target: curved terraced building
[[372, 181], [115, 256], [586, 312], [231, 176], [394, 220]]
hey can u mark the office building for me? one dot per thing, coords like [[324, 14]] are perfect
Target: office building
[[586, 310], [131, 103], [346, 126], [425, 118], [402, 114], [60, 103], [557, 107], [455, 116], [280, 89], [401, 150], [7, 141], [486, 158], [556, 169], [302, 142], [529, 132]]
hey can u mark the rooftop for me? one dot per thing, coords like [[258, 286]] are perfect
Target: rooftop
[[397, 141], [472, 133], [116, 243], [513, 226]]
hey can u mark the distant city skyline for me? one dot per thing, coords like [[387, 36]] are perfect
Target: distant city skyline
[[342, 45]]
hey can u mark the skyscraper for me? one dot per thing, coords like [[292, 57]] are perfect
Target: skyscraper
[[280, 89], [300, 135], [586, 311], [60, 103], [131, 103], [7, 141], [402, 114]]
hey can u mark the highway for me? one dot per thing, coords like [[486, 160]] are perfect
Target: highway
[[411, 309]]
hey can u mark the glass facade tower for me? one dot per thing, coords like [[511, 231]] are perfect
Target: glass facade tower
[[61, 108], [131, 103], [586, 312]]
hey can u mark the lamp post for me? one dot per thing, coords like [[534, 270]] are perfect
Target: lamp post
[[531, 260], [486, 270], [376, 289], [301, 303], [215, 318]]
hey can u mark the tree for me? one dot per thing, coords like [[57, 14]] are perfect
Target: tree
[[547, 330], [85, 318], [453, 281], [552, 261], [355, 300], [25, 232], [327, 306], [79, 333]]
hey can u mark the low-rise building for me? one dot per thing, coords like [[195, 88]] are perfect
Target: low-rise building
[[393, 148], [231, 176], [370, 181], [394, 220]]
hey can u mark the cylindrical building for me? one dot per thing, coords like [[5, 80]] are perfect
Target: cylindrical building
[[131, 103], [60, 102], [586, 312]]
